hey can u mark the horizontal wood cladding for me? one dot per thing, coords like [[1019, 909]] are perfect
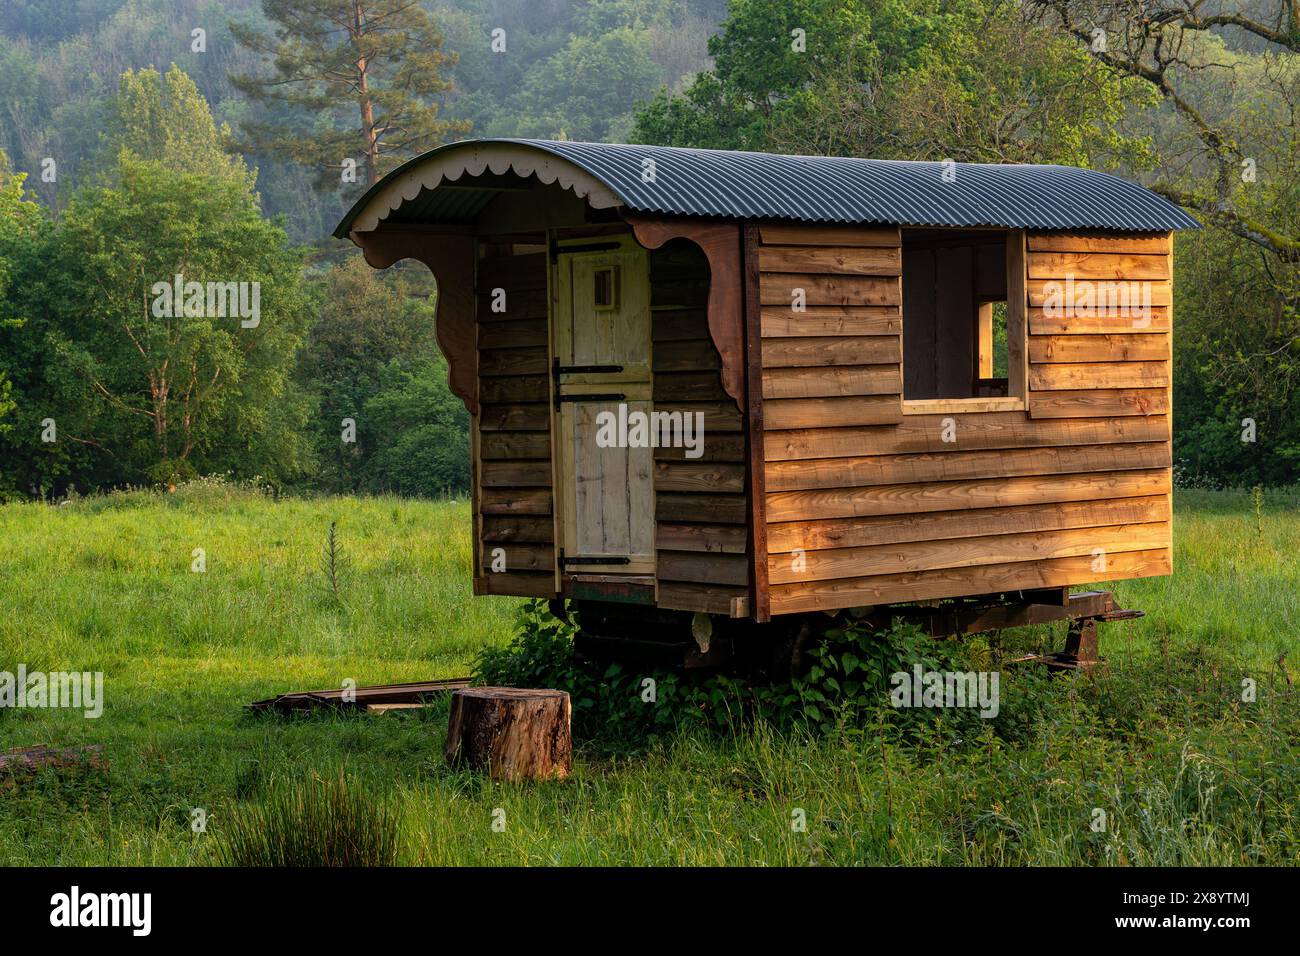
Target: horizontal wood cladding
[[515, 506], [817, 352], [1099, 402], [704, 598], [866, 504], [779, 413], [955, 582], [1097, 321], [1099, 326], [957, 495], [930, 433], [863, 471], [831, 382], [1097, 265], [1098, 375], [701, 537], [1133, 347], [840, 260], [904, 528], [836, 321], [967, 552], [784, 288], [1151, 243]]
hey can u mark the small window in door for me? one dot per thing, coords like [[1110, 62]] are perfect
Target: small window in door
[[605, 290]]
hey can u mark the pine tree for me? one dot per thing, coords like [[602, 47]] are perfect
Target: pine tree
[[359, 78]]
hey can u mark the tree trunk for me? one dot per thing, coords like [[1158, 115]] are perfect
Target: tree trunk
[[516, 733]]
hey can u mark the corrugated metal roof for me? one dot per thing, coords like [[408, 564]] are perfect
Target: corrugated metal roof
[[740, 185]]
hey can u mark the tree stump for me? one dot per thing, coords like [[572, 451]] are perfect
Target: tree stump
[[517, 733]]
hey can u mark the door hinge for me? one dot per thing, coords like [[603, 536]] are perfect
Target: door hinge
[[556, 248], [557, 370], [567, 561]]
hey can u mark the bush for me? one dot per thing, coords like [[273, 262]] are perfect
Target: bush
[[334, 822], [847, 685]]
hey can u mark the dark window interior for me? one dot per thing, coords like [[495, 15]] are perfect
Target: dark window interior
[[605, 294], [954, 313]]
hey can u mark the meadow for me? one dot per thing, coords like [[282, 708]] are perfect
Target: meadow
[[1183, 770]]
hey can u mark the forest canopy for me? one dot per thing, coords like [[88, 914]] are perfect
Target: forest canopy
[[199, 141]]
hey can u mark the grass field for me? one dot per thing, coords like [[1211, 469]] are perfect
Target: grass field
[[1185, 772]]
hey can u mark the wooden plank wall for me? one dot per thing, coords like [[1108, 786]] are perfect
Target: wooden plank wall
[[700, 504], [867, 505], [513, 460]]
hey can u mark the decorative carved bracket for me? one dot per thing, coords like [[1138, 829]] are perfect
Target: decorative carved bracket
[[720, 243], [449, 254]]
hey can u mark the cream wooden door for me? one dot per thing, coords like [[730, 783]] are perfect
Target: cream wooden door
[[601, 380]]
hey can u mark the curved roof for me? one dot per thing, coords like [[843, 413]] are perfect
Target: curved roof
[[739, 185]]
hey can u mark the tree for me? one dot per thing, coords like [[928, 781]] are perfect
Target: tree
[[587, 91], [21, 221], [892, 79], [1181, 52], [169, 391], [420, 432], [164, 118], [382, 61], [367, 320]]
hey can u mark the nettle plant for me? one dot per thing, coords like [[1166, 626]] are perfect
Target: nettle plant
[[845, 686]]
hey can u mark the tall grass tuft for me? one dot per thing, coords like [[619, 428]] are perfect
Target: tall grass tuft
[[333, 564], [319, 822]]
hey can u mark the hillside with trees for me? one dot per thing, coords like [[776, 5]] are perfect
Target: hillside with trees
[[211, 138]]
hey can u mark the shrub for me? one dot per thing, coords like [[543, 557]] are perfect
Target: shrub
[[847, 685]]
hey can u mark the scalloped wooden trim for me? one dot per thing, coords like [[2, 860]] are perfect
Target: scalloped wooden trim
[[473, 160], [449, 254], [720, 243]]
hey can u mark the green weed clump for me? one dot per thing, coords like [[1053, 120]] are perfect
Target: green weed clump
[[332, 821]]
